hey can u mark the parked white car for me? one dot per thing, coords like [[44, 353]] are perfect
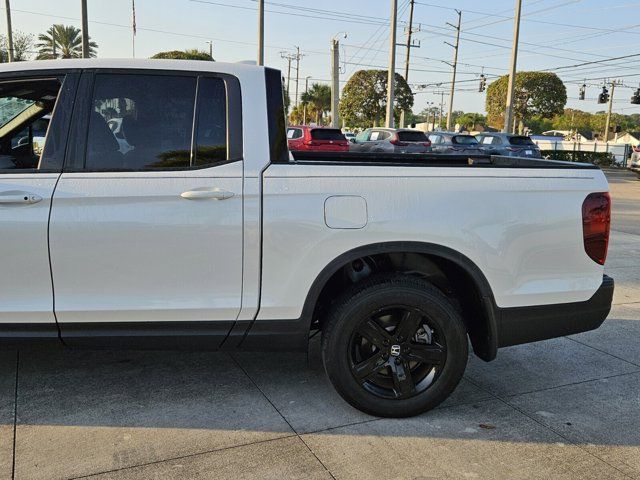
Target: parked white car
[[208, 234]]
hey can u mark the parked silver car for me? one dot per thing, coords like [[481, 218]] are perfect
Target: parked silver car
[[508, 144], [454, 143], [390, 140]]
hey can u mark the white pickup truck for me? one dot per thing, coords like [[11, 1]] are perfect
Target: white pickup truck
[[190, 225]]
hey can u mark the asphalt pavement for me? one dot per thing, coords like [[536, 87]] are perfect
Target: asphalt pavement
[[565, 408]]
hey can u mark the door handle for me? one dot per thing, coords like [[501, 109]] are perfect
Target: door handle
[[19, 198], [206, 194]]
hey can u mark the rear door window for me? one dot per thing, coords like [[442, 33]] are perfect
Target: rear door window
[[211, 123], [521, 141], [412, 137], [327, 134], [155, 113], [487, 140]]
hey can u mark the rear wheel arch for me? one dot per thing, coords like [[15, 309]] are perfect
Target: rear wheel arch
[[448, 269]]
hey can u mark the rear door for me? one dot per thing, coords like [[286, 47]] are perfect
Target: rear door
[[30, 164], [328, 140], [146, 230], [523, 146]]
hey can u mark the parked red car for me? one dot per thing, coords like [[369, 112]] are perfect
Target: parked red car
[[318, 139]]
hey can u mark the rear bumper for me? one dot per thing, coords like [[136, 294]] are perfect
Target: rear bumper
[[530, 324]]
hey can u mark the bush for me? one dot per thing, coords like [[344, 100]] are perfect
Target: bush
[[603, 159]]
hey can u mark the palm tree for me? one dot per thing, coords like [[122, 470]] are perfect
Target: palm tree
[[62, 41], [319, 96]]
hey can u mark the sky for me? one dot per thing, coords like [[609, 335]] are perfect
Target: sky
[[553, 34]]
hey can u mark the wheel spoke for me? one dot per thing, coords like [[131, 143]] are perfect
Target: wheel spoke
[[408, 325], [369, 366], [374, 333], [402, 381], [431, 354]]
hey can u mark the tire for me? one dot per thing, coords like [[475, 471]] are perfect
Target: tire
[[375, 358]]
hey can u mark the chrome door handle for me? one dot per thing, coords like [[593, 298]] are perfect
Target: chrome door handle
[[20, 198], [207, 193]]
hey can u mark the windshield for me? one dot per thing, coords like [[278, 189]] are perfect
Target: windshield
[[465, 140], [11, 107]]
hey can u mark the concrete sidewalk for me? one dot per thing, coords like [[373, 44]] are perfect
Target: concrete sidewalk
[[565, 408]]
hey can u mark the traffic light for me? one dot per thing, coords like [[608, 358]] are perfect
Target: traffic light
[[604, 96], [635, 99], [483, 83], [583, 91]]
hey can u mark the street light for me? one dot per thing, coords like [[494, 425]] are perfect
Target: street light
[[210, 48]]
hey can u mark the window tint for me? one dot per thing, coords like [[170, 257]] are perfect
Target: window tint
[[412, 137], [25, 113], [327, 134], [521, 141], [211, 136], [465, 140], [153, 122]]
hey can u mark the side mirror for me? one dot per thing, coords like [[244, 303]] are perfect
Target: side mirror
[[352, 140]]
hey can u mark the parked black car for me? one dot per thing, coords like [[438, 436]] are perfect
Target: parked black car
[[455, 143], [508, 144]]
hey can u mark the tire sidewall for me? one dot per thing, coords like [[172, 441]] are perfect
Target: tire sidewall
[[356, 309]]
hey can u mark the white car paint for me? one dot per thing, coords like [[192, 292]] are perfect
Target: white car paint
[[522, 228], [129, 247]]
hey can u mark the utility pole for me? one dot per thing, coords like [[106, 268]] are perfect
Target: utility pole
[[289, 57], [210, 48], [297, 72], [304, 105], [508, 113], [261, 32], [410, 31], [455, 66], [335, 81], [85, 30], [606, 125], [7, 7], [389, 121]]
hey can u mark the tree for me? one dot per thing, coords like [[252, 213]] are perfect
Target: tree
[[539, 94], [470, 121], [62, 41], [318, 101], [22, 46], [190, 54], [364, 98]]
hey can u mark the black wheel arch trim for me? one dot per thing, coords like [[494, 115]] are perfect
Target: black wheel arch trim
[[485, 349]]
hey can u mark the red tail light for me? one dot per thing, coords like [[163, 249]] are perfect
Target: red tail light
[[396, 141], [596, 221], [427, 143]]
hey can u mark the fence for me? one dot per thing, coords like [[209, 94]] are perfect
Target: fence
[[621, 152]]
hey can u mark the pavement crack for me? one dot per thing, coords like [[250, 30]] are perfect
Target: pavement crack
[[283, 417], [15, 417], [505, 401], [180, 457], [603, 351]]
